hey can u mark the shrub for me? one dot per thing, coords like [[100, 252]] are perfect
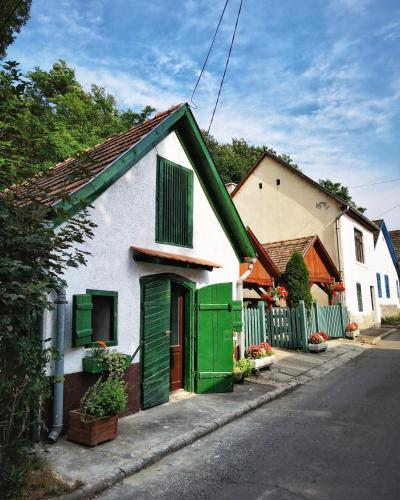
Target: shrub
[[105, 398], [242, 367], [297, 280]]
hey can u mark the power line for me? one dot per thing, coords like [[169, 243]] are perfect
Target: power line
[[390, 209], [375, 183], [226, 66], [208, 55]]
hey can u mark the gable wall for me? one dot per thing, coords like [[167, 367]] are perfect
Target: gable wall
[[291, 210], [125, 216]]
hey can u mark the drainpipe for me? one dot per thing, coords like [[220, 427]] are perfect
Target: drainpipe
[[58, 406], [239, 296], [338, 237]]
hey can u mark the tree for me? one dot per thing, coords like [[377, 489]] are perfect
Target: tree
[[55, 117], [234, 159], [297, 279], [342, 191], [13, 15]]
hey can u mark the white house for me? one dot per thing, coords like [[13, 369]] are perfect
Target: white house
[[387, 271], [279, 202], [163, 264]]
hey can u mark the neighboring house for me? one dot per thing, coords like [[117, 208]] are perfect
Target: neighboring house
[[387, 271], [279, 202], [395, 237], [162, 266]]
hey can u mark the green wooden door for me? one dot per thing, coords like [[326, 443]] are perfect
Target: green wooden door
[[156, 326], [217, 317]]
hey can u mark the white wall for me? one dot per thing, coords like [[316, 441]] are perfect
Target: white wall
[[125, 216], [356, 272], [384, 265]]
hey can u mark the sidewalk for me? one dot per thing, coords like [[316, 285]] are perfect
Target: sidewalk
[[146, 437], [374, 335]]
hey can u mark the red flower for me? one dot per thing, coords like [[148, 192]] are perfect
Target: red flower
[[101, 344]]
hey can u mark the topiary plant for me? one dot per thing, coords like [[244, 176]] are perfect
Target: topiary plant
[[297, 280]]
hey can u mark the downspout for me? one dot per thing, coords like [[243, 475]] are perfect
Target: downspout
[[338, 238], [58, 404], [239, 296]]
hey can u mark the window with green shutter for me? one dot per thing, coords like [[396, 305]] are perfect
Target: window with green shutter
[[174, 210], [359, 297], [95, 317]]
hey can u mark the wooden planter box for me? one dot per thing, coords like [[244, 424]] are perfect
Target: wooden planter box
[[352, 335], [318, 347], [91, 365], [256, 364], [92, 432]]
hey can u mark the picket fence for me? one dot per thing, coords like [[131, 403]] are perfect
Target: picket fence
[[290, 327]]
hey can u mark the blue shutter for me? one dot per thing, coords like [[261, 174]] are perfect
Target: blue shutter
[[387, 286], [378, 281]]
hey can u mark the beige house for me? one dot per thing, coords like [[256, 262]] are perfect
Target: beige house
[[279, 202]]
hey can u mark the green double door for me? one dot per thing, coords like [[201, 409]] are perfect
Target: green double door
[[208, 339]]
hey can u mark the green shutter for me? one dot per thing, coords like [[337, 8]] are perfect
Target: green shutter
[[82, 319], [156, 325], [216, 316], [174, 224], [359, 297]]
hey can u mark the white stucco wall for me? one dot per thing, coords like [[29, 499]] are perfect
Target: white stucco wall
[[356, 272], [125, 215], [384, 265]]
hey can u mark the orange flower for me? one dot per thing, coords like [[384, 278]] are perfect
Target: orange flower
[[102, 344]]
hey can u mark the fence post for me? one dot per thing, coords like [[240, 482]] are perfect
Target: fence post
[[261, 317], [342, 319], [316, 314], [303, 325]]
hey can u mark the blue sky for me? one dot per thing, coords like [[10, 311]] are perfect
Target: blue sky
[[318, 79]]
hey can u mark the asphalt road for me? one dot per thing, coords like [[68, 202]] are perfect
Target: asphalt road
[[335, 438]]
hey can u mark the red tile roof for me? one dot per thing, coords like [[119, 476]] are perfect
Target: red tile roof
[[145, 254], [378, 223], [97, 158], [281, 251], [395, 235]]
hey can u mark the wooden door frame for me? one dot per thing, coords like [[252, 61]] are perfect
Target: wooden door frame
[[189, 347]]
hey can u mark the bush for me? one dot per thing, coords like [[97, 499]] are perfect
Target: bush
[[105, 398], [242, 367], [297, 280]]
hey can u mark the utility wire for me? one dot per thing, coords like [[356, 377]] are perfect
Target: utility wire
[[226, 66], [375, 183], [208, 55], [390, 209]]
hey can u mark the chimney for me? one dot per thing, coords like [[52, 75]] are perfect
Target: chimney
[[230, 186]]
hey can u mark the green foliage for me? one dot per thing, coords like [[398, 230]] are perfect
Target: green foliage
[[342, 191], [234, 159], [13, 15], [242, 367], [115, 364], [105, 398], [297, 279], [47, 116]]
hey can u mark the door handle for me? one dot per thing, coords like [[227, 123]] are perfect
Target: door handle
[[167, 333]]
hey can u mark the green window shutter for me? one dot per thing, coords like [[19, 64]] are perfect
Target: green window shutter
[[174, 212], [359, 297], [82, 319], [216, 316], [156, 326]]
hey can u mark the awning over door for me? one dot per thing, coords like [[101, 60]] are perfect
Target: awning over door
[[171, 259]]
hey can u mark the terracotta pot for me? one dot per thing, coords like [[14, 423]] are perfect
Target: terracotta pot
[[91, 431]]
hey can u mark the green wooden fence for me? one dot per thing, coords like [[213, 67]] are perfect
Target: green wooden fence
[[290, 328]]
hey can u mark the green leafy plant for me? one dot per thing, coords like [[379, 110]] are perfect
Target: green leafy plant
[[104, 398], [297, 280], [116, 364]]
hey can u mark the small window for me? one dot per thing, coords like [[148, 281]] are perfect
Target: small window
[[260, 185], [387, 286], [359, 297], [358, 239], [95, 317], [278, 182], [398, 289], [379, 284], [174, 210]]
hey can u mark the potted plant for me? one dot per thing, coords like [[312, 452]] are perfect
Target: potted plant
[[100, 356], [241, 369], [318, 342], [352, 330], [260, 355], [96, 420]]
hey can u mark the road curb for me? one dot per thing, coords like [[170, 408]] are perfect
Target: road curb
[[375, 340], [132, 467]]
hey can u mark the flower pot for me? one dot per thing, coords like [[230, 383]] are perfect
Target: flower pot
[[91, 431], [93, 365], [256, 364], [318, 347], [352, 334]]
